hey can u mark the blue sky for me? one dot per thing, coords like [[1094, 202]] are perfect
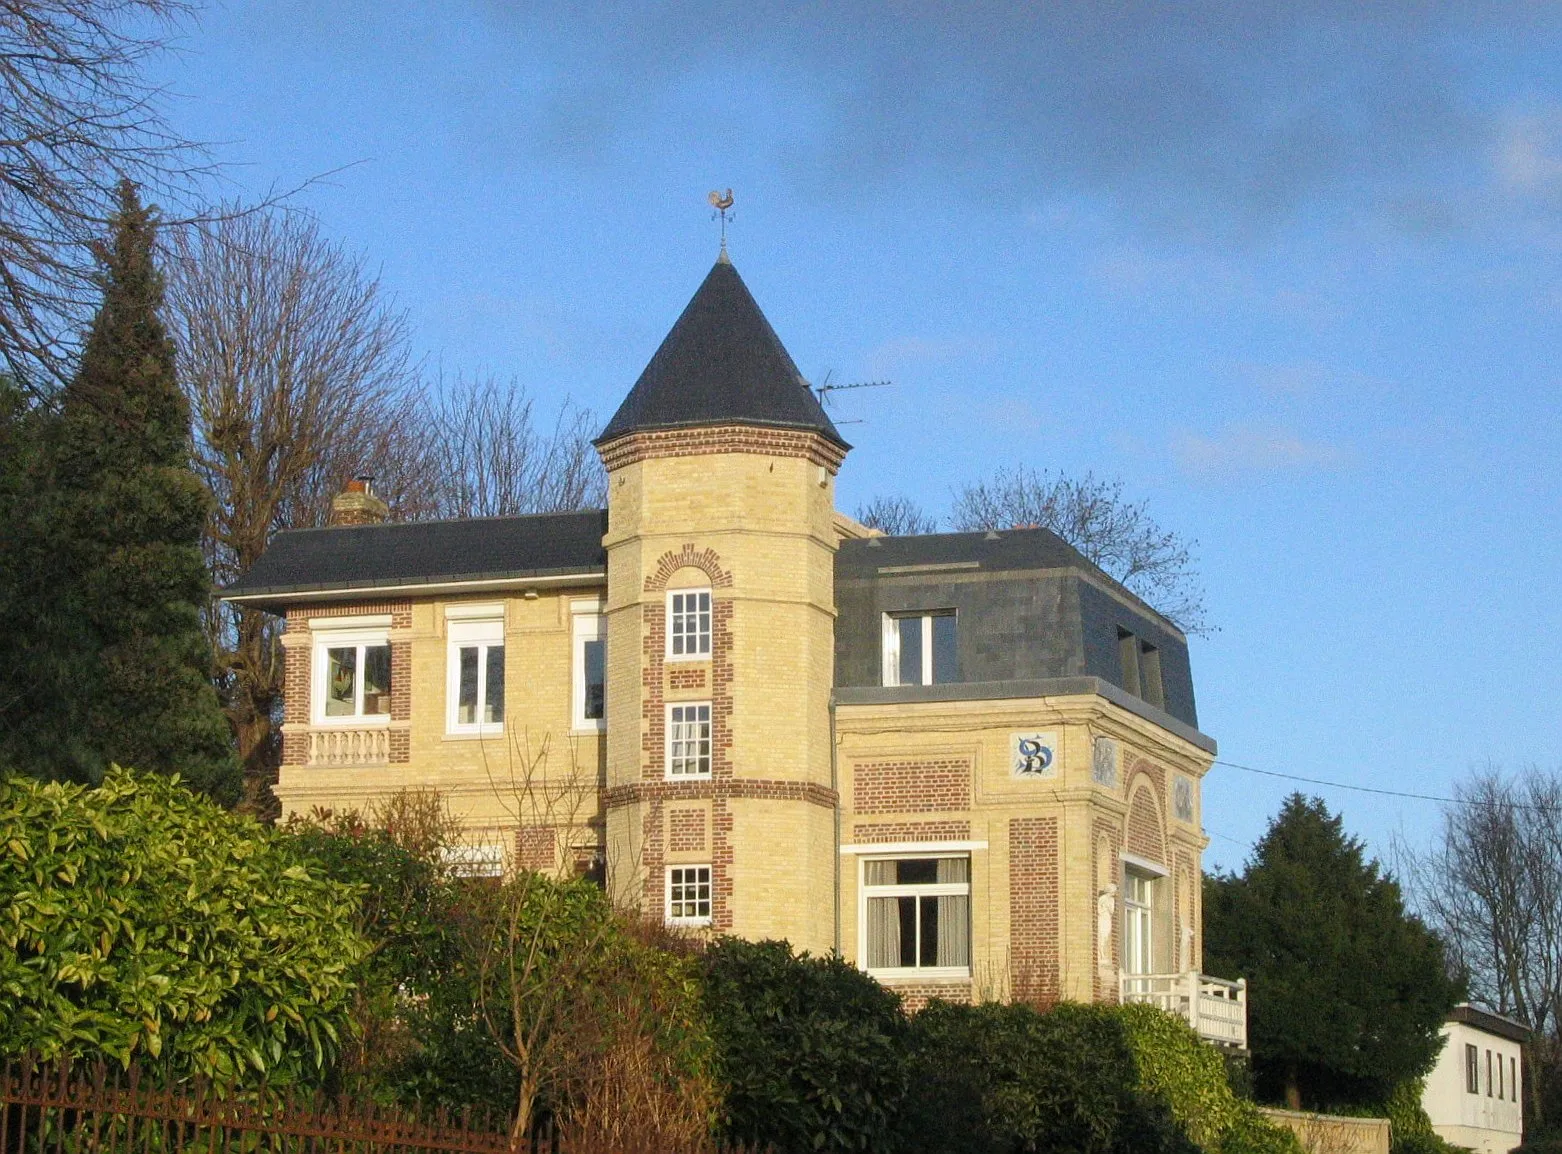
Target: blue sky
[[1292, 274]]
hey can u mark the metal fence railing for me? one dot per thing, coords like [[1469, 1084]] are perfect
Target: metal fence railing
[[60, 1109]]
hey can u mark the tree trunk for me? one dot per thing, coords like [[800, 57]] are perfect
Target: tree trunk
[[525, 1109], [1293, 1088]]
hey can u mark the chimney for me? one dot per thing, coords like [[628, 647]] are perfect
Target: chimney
[[357, 504]]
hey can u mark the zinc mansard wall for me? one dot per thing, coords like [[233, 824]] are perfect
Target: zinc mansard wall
[[504, 788], [757, 526], [1042, 849]]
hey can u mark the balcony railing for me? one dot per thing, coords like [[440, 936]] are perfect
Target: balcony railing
[[349, 746], [1214, 1007]]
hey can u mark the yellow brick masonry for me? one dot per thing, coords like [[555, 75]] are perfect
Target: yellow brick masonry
[[1046, 847], [750, 513]]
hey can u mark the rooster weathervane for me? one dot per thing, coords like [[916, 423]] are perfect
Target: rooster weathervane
[[721, 204]]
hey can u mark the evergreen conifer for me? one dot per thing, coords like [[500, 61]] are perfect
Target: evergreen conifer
[[1347, 991], [127, 513]]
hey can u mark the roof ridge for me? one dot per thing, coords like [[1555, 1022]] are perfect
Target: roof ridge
[[449, 520]]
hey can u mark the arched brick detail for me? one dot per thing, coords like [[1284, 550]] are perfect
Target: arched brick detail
[[708, 561], [1145, 834]]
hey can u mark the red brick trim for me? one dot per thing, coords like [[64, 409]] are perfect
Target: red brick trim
[[536, 847], [686, 831], [705, 560], [400, 611], [889, 831], [703, 789], [915, 995], [1144, 834], [298, 673], [1034, 890], [708, 439], [684, 677], [912, 786]]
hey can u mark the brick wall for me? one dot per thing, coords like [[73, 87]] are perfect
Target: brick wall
[[915, 995], [686, 677], [1033, 909], [721, 439], [686, 831], [912, 786], [892, 831], [536, 847], [1144, 836]]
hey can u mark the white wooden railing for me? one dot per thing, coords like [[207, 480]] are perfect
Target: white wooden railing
[[349, 746], [1214, 1007]]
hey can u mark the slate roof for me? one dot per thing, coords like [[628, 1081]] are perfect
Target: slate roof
[[996, 552], [424, 553], [1007, 550], [722, 363]]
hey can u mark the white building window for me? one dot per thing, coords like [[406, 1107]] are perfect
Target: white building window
[[919, 648], [1472, 1069], [688, 624], [1138, 922], [688, 895], [916, 916], [352, 676], [475, 676], [590, 705], [688, 740]]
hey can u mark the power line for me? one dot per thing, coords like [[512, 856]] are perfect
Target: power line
[[1439, 798]]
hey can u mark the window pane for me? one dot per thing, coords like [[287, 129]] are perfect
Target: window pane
[[879, 873], [593, 656], [466, 686], [341, 684], [917, 871], [927, 954], [493, 690], [907, 908], [910, 650], [376, 679], [944, 662]]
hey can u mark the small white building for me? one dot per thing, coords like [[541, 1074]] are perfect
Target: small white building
[[1473, 1094]]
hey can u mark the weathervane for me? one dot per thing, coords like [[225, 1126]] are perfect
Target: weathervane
[[721, 204]]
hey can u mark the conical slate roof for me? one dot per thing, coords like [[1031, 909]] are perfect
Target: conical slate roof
[[721, 364]]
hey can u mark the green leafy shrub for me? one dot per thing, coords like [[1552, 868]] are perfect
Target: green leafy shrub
[[811, 1050], [141, 921], [1075, 1078]]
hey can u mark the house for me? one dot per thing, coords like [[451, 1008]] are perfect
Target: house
[[969, 762], [1474, 1094]]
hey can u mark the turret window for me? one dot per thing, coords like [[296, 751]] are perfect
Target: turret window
[[688, 740], [688, 895], [688, 624]]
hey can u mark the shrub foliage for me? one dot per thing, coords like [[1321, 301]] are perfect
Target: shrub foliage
[[140, 921]]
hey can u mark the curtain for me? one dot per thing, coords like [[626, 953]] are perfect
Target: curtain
[[883, 930], [879, 873], [954, 930]]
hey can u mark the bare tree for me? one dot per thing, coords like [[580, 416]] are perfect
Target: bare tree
[[1492, 889], [1092, 515], [490, 459], [298, 374], [79, 116], [897, 516]]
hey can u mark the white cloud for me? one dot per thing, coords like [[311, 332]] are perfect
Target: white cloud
[[1529, 153]]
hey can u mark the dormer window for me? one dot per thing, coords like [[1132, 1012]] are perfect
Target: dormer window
[[919, 648], [1141, 663]]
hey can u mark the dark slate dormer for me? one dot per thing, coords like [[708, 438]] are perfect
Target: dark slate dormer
[[722, 364]]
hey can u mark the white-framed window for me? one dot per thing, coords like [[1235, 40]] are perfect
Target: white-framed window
[[688, 895], [688, 739], [688, 624], [475, 676], [590, 695], [352, 676], [1472, 1069], [916, 915], [480, 860], [1138, 922], [919, 648]]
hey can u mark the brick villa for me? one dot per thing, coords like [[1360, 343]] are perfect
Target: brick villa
[[968, 762]]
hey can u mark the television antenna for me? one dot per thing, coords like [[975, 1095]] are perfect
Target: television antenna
[[826, 391]]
